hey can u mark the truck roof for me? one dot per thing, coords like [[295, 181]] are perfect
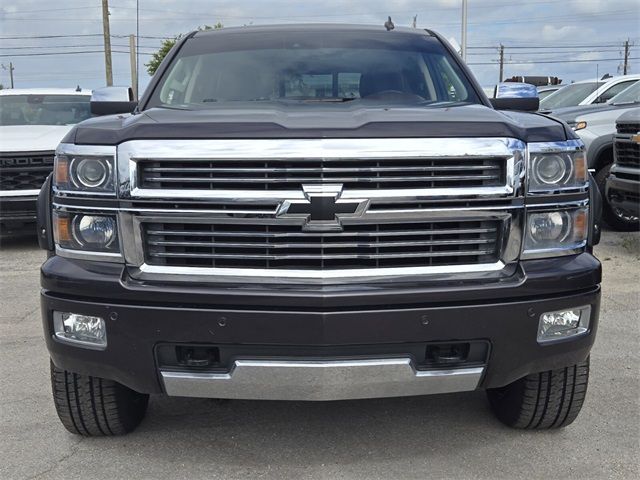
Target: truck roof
[[316, 27]]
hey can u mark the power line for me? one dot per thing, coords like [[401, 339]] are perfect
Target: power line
[[69, 46], [534, 47], [512, 62], [52, 36], [577, 52], [44, 54], [199, 16], [50, 10]]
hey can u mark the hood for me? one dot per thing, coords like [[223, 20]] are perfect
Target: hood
[[569, 114], [632, 115], [314, 120], [31, 138]]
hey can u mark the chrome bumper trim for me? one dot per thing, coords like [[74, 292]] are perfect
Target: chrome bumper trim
[[146, 271], [321, 380]]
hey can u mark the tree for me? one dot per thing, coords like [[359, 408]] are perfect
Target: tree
[[167, 45]]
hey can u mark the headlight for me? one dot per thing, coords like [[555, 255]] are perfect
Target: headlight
[[86, 232], [556, 171], [579, 126], [558, 232], [85, 169]]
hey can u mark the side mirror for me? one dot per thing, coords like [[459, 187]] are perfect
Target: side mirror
[[516, 96], [112, 100]]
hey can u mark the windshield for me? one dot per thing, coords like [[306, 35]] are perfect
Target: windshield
[[545, 93], [629, 95], [569, 96], [43, 109], [303, 67]]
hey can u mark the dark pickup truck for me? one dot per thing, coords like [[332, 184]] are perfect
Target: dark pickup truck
[[318, 212]]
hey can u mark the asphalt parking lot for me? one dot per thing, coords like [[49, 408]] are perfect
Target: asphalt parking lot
[[445, 436]]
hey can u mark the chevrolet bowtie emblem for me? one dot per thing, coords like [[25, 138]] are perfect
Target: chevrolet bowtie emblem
[[322, 209]]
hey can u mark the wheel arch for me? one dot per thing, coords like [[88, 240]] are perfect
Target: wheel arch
[[600, 152]]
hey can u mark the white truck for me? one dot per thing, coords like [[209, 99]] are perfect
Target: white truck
[[32, 123]]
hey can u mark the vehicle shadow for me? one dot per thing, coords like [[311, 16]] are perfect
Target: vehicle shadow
[[298, 434]]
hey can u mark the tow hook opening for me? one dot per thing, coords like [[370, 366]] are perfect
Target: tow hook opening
[[192, 356], [447, 353]]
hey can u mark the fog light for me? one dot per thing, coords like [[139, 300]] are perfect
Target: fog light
[[83, 330], [563, 323]]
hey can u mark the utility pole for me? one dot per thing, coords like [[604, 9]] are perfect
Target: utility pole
[[463, 35], [501, 62], [414, 24], [134, 69], [107, 42], [11, 69], [625, 65]]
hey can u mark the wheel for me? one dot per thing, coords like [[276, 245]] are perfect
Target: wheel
[[615, 218], [545, 400], [93, 406]]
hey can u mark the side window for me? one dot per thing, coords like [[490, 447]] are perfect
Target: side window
[[174, 88], [613, 91]]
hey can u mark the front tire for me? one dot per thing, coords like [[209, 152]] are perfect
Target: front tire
[[95, 407], [545, 400]]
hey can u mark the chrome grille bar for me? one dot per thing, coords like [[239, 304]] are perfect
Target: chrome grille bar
[[241, 169], [274, 169], [326, 234], [417, 243], [254, 180]]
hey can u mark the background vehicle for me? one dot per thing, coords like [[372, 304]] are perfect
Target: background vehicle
[[623, 182], [32, 123], [319, 212], [587, 92], [596, 127]]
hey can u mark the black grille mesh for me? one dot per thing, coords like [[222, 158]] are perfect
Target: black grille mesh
[[24, 172]]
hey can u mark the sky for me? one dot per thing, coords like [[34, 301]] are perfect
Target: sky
[[570, 39]]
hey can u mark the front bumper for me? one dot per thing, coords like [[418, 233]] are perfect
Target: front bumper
[[18, 206], [623, 189], [320, 344]]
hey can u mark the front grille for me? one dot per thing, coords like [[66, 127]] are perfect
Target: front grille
[[361, 245], [627, 153], [629, 127], [287, 174], [25, 171]]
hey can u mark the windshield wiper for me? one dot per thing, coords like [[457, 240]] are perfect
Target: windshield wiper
[[331, 99]]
